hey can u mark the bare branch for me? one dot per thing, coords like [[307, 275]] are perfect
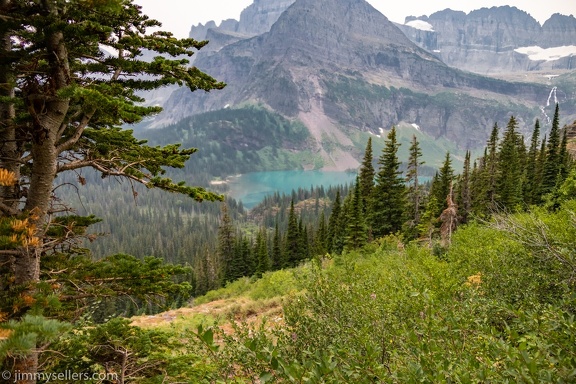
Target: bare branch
[[10, 252], [79, 131]]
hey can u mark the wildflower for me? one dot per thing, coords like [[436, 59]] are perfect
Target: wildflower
[[474, 280]]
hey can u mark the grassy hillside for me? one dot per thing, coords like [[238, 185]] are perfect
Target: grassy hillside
[[497, 305]]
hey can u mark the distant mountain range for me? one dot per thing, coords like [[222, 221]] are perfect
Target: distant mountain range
[[487, 40], [496, 40], [345, 71]]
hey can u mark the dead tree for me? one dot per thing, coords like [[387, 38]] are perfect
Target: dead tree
[[449, 219]]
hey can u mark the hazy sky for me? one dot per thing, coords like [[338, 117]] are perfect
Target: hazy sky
[[178, 16]]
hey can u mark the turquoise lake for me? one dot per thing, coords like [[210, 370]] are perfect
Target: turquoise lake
[[251, 188]]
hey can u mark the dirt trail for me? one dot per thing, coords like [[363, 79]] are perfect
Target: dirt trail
[[243, 310]]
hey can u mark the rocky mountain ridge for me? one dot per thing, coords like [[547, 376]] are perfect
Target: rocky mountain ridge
[[496, 40], [255, 19]]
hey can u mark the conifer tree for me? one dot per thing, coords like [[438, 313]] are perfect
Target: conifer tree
[[200, 275], [225, 247], [334, 222], [552, 164], [442, 184], [414, 188], [539, 178], [261, 252], [340, 234], [389, 200], [321, 236], [367, 174], [465, 187], [491, 167], [564, 156], [435, 182], [356, 231], [531, 184], [292, 249], [239, 263], [207, 271], [479, 186], [509, 171], [522, 158], [245, 256], [278, 261], [429, 222], [304, 252]]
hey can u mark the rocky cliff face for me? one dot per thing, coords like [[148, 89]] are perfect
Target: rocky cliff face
[[559, 30], [259, 17], [490, 40], [341, 67], [255, 19]]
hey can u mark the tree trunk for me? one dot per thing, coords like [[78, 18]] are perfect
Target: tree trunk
[[47, 123], [24, 369]]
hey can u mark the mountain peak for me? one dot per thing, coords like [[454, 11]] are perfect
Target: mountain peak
[[346, 33]]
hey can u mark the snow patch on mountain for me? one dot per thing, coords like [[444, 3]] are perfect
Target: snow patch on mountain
[[536, 53], [421, 25]]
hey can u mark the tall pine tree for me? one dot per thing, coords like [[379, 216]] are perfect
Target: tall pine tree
[[278, 261], [225, 247], [389, 196], [465, 188], [442, 184], [261, 253], [540, 165], [415, 190], [552, 164], [292, 250], [491, 167], [532, 181], [71, 73], [321, 236], [509, 171], [564, 156], [335, 231], [367, 174], [356, 230]]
